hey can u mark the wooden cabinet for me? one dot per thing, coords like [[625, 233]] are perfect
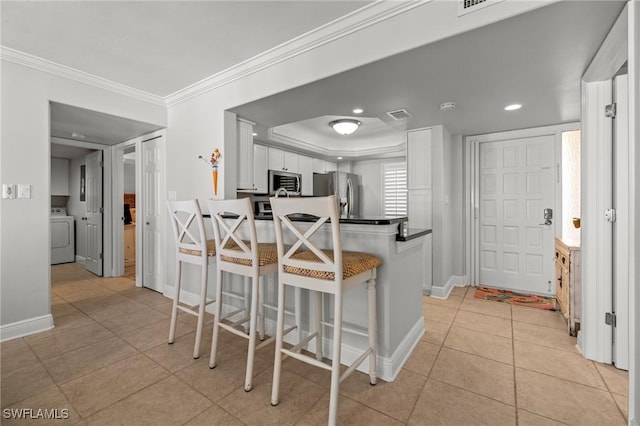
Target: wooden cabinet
[[568, 284], [260, 165], [283, 160], [305, 165], [324, 166], [129, 242], [245, 155]]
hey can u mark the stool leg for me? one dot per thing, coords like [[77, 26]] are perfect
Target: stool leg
[[204, 274], [335, 363], [317, 298], [174, 308], [216, 320], [277, 363], [253, 320], [247, 303], [262, 289], [373, 331], [297, 294]]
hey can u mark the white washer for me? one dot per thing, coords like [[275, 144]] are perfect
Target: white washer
[[63, 247]]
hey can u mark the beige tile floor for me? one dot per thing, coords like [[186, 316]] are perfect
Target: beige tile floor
[[478, 363]]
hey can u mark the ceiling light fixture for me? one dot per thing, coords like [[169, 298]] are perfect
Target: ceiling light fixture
[[345, 126], [255, 134], [512, 107], [358, 111], [339, 158], [447, 106], [77, 135]]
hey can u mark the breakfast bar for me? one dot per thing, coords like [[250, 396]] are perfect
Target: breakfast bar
[[399, 286]]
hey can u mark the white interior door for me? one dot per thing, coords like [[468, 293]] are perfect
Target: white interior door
[[516, 185], [621, 196], [152, 203], [93, 191]]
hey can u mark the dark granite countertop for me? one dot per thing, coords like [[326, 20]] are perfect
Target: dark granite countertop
[[413, 233], [362, 220]]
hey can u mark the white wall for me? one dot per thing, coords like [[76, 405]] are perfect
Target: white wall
[[25, 149], [448, 247], [370, 172]]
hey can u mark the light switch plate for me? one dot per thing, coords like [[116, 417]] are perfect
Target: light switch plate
[[8, 190], [24, 191]]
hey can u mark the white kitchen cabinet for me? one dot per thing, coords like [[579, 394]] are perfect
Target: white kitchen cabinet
[[305, 165], [245, 155], [319, 165], [291, 162], [324, 166], [419, 159], [59, 176], [260, 166], [283, 160]]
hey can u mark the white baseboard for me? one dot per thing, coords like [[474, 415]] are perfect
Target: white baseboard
[[444, 291], [80, 259], [26, 327]]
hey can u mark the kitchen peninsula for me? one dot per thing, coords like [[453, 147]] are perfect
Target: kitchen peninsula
[[399, 286]]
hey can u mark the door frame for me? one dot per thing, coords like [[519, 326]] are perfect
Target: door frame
[[117, 234], [107, 218], [471, 150]]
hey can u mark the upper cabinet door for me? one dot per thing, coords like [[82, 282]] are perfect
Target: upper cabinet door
[[245, 155], [276, 159], [291, 162], [331, 166], [319, 166], [419, 159]]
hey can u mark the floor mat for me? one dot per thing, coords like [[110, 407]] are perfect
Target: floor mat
[[507, 296]]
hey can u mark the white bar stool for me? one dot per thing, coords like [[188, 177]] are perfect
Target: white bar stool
[[191, 247], [247, 258], [304, 265]]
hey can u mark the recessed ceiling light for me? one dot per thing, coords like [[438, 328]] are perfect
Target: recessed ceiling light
[[77, 135], [512, 107], [255, 134], [358, 111], [339, 158]]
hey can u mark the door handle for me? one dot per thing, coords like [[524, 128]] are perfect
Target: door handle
[[547, 216], [147, 223]]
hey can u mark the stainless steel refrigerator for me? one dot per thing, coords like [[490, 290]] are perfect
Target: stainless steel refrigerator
[[346, 188]]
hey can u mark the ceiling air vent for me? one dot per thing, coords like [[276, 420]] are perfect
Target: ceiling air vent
[[399, 114], [467, 6]]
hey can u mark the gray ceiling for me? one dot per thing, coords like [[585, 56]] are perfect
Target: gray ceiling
[[535, 59]]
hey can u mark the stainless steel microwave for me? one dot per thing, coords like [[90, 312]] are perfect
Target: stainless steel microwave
[[290, 182]]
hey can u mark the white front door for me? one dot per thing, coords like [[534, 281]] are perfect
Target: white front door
[[93, 191], [153, 205], [516, 185]]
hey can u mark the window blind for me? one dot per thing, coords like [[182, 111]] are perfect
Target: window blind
[[395, 189]]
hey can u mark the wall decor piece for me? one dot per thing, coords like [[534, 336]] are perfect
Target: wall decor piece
[[213, 163]]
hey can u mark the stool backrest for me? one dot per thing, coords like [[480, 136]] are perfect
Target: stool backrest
[[226, 231], [326, 210], [188, 227]]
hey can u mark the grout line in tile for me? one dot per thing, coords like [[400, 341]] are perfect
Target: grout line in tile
[[541, 415], [611, 394]]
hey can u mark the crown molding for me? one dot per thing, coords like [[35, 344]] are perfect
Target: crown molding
[[27, 60], [298, 144], [357, 20]]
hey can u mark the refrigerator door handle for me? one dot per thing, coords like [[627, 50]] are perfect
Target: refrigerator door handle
[[349, 197]]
